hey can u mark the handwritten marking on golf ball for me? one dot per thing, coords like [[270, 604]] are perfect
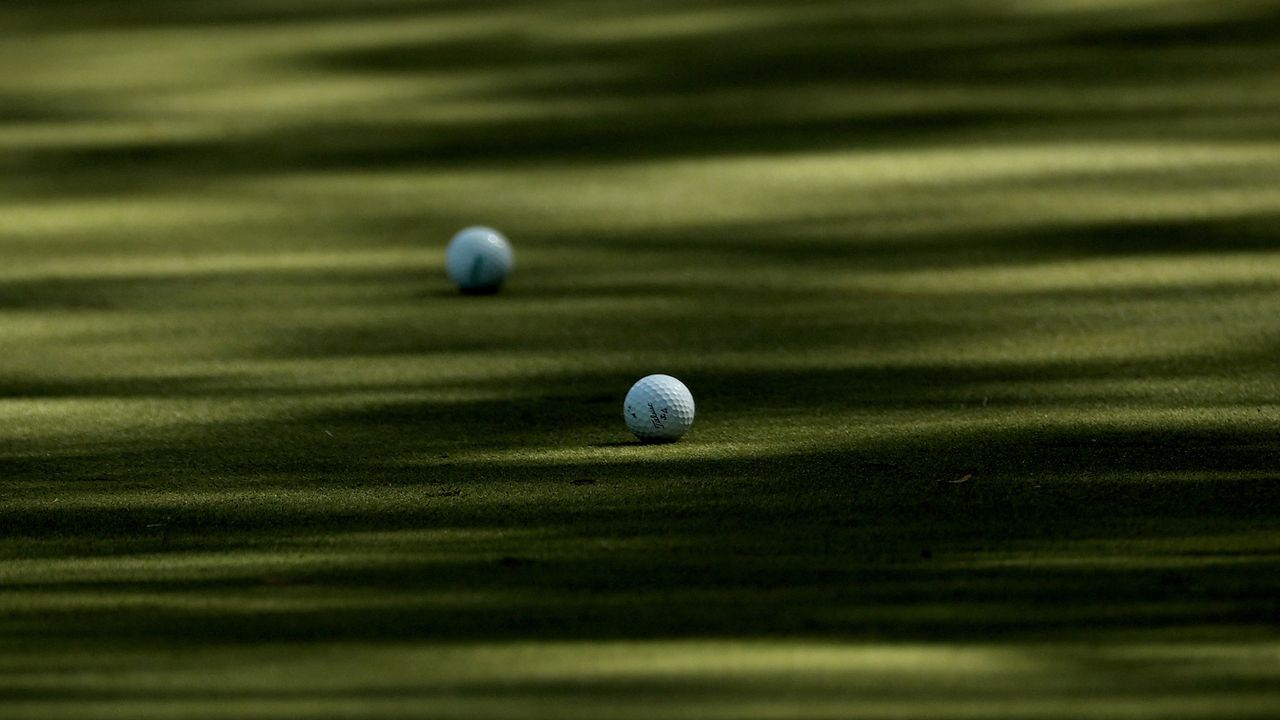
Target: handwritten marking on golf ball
[[658, 408]]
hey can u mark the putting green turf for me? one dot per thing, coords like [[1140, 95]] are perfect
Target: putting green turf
[[980, 303]]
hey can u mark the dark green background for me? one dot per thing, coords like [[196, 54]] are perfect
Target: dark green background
[[980, 302]]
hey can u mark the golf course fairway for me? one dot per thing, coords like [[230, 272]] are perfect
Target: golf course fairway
[[979, 302]]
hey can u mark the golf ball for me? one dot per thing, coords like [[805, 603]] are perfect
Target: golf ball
[[658, 408], [478, 260]]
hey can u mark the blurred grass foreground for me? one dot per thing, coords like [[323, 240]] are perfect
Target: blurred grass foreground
[[980, 302]]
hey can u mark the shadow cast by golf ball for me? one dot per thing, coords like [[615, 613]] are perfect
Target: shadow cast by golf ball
[[456, 293]]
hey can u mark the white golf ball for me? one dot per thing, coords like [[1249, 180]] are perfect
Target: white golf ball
[[658, 408], [479, 259]]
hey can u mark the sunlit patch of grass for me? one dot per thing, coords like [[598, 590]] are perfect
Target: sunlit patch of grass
[[707, 679]]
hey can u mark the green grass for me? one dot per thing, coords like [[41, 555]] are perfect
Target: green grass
[[978, 302]]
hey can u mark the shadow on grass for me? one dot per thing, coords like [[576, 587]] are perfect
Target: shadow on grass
[[826, 46], [736, 264], [105, 15], [1062, 533], [1055, 533], [853, 242], [857, 544]]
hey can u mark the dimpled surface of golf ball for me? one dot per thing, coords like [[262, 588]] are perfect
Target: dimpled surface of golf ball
[[478, 260], [659, 408]]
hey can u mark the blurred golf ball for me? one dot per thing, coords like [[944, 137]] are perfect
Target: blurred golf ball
[[478, 260], [658, 408]]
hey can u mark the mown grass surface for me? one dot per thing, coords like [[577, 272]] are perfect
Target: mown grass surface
[[980, 303]]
